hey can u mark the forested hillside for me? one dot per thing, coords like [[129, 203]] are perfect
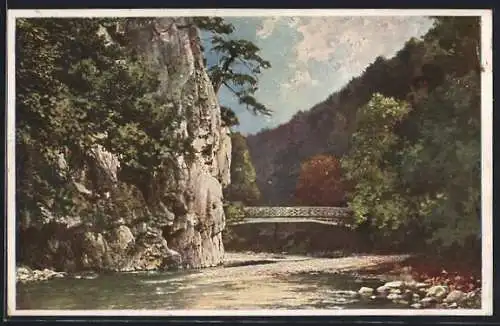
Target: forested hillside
[[450, 47]]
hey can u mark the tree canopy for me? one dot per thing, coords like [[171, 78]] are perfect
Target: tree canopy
[[76, 91], [320, 182], [416, 168], [243, 187], [239, 63]]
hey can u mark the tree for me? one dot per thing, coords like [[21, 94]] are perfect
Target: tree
[[371, 165], [239, 63], [320, 183], [417, 168], [427, 180], [443, 165], [76, 91], [228, 117], [459, 38], [243, 187], [238, 67]]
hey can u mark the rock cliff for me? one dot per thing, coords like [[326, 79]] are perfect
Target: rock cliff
[[173, 218]]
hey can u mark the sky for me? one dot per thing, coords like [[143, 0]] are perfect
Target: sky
[[311, 58]]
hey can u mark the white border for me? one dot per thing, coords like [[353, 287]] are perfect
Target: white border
[[486, 140]]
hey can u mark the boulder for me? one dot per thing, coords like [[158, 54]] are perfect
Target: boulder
[[455, 296], [437, 291]]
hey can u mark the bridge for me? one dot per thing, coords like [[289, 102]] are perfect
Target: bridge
[[295, 214], [292, 229]]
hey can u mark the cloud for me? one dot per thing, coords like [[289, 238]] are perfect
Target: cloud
[[267, 27], [344, 46], [313, 57], [270, 24], [359, 38], [301, 78]]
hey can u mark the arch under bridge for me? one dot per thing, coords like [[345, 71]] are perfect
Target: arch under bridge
[[301, 230]]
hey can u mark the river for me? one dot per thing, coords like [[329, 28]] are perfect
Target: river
[[245, 281]]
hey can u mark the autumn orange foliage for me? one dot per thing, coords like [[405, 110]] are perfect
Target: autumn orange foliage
[[320, 182]]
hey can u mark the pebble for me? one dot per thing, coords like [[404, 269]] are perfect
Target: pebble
[[404, 302], [426, 302], [394, 284], [365, 291], [416, 306], [394, 296], [421, 285]]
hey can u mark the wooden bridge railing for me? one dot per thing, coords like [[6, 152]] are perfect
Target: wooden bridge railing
[[298, 212]]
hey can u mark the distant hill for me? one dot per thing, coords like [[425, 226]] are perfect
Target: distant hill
[[326, 127]]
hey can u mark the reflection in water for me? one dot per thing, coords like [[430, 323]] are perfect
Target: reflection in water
[[208, 289]]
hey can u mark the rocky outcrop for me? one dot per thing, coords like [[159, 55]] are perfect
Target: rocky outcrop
[[175, 217]]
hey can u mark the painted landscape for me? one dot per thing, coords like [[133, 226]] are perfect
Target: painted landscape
[[267, 162]]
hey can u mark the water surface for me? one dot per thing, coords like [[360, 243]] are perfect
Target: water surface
[[291, 283]]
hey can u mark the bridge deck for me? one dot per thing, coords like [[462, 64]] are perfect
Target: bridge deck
[[296, 211], [295, 214]]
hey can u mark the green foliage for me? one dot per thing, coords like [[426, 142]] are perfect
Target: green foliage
[[243, 187], [449, 148], [368, 164], [214, 25], [234, 211], [417, 169], [429, 181], [458, 39], [239, 64], [228, 117], [76, 91]]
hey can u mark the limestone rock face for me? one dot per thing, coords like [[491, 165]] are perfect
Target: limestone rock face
[[195, 231], [177, 218]]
